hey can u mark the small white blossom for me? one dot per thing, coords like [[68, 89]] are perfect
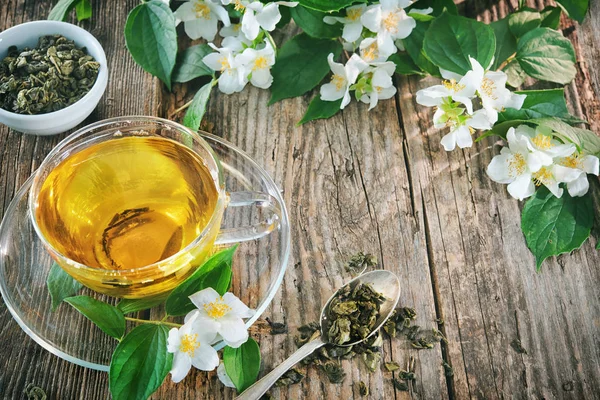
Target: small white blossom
[[257, 15], [381, 85], [461, 130], [525, 164], [343, 77], [389, 20], [233, 76], [200, 18], [223, 377], [352, 24], [461, 90], [583, 164], [191, 345], [234, 38], [226, 311], [491, 87], [370, 51], [259, 63]]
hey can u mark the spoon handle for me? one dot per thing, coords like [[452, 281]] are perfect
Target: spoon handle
[[260, 387]]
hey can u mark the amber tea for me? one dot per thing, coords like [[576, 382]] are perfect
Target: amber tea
[[127, 203]]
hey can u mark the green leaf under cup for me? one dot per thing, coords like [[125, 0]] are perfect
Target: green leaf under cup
[[140, 363], [242, 364], [215, 273], [108, 318], [128, 306], [195, 113], [61, 285]]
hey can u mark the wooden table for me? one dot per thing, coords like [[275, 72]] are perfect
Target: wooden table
[[377, 181]]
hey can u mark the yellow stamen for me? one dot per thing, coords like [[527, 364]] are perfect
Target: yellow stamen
[[379, 89], [353, 15], [224, 64], [472, 130], [487, 87], [453, 85], [390, 22], [238, 6], [260, 63], [202, 10], [573, 161], [371, 52], [338, 81], [542, 142], [189, 344], [217, 309], [237, 27], [542, 177], [517, 165]]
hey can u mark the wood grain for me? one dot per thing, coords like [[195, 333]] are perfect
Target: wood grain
[[380, 182]]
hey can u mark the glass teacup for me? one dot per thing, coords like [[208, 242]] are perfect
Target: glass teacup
[[131, 206]]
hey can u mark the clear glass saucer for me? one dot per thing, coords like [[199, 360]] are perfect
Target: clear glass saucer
[[258, 267]]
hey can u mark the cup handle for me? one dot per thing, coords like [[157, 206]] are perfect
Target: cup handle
[[270, 222]]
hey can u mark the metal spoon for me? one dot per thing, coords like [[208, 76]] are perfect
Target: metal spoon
[[381, 281]]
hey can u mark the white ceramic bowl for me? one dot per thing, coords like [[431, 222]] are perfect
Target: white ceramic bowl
[[27, 35]]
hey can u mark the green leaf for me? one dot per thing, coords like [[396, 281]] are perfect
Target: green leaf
[[152, 40], [311, 22], [61, 285], [540, 104], [140, 363], [421, 17], [438, 6], [83, 10], [328, 5], [501, 128], [506, 42], [320, 109], [108, 318], [575, 9], [545, 54], [551, 17], [242, 364], [585, 140], [514, 74], [128, 306], [554, 226], [405, 64], [301, 64], [215, 273], [523, 21], [189, 63], [451, 39], [195, 113], [414, 47], [61, 10], [286, 17]]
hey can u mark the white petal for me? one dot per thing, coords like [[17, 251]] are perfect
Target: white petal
[[205, 296], [432, 96], [463, 137], [385, 43], [185, 12], [238, 308], [449, 141], [232, 43], [590, 165], [206, 328], [220, 12], [480, 120], [562, 150], [182, 363], [352, 31], [497, 169], [555, 189], [262, 78], [329, 20], [191, 316], [269, 16], [534, 161], [233, 331], [515, 101], [223, 377], [371, 18], [250, 25], [201, 28], [231, 82], [405, 26], [449, 75], [566, 174], [373, 99], [173, 341], [464, 100], [346, 100], [381, 78], [205, 358], [231, 30], [386, 93], [522, 187], [336, 68], [329, 92], [212, 61], [354, 67], [579, 187]]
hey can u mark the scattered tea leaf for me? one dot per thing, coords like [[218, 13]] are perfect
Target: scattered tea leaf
[[400, 385], [448, 370], [277, 328], [334, 371], [372, 360], [361, 261], [34, 392], [61, 285], [363, 389], [392, 366], [140, 363], [242, 364], [108, 318], [518, 347], [291, 377]]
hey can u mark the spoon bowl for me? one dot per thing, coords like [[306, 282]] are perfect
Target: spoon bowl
[[381, 281]]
